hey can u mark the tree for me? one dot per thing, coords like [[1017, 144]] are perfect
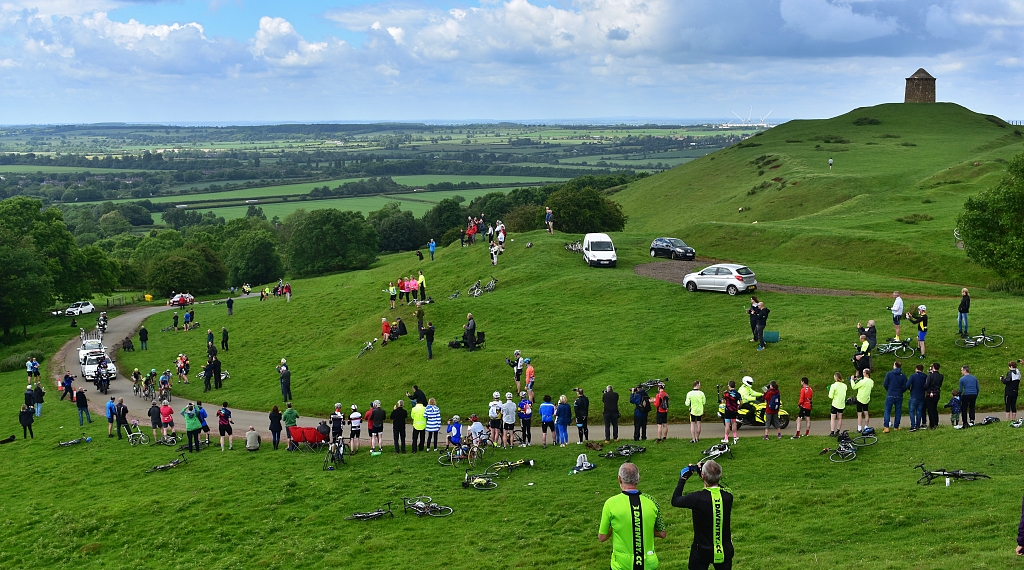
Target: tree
[[114, 223], [62, 259], [990, 225], [331, 240], [583, 210], [254, 259], [101, 271], [25, 287], [446, 215], [254, 211], [398, 230], [173, 273], [212, 272], [136, 214]]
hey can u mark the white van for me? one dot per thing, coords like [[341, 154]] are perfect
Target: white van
[[598, 250]]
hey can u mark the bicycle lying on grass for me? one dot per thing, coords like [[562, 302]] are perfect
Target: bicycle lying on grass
[[927, 476], [372, 515], [480, 481], [74, 441], [898, 348], [469, 453], [424, 506], [495, 469], [575, 247], [989, 340], [168, 440], [174, 463], [627, 451], [716, 451], [366, 348], [454, 295], [847, 448], [202, 445]]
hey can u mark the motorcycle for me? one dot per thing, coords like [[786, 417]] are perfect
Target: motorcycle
[[751, 413]]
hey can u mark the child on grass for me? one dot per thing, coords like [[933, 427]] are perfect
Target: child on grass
[[954, 409]]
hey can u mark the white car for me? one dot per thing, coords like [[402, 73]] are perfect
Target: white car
[[598, 250], [90, 360], [728, 277], [79, 308]]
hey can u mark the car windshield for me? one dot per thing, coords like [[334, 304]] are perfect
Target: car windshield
[[676, 242], [744, 271], [92, 360], [601, 246]]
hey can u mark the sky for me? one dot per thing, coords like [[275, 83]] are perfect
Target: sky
[[261, 61]]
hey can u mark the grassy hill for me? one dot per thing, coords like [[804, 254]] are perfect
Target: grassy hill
[[891, 161]]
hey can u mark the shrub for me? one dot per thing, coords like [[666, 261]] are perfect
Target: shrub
[[889, 136], [17, 361], [926, 201], [914, 218], [862, 121], [907, 143], [525, 218], [793, 141], [1013, 286]]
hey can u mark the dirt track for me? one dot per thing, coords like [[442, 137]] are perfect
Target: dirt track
[[674, 271]]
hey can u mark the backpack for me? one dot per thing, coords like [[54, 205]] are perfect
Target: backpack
[[664, 402], [645, 402], [775, 403], [494, 412]]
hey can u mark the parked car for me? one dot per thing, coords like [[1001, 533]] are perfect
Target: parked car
[[598, 250], [672, 248], [79, 308], [181, 299], [728, 277]]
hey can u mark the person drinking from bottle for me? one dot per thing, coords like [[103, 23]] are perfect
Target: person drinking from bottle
[[712, 516]]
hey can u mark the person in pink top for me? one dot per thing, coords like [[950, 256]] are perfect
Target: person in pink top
[[166, 418]]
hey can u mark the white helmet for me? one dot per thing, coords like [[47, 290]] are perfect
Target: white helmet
[[497, 395], [508, 395], [748, 381], [922, 308]]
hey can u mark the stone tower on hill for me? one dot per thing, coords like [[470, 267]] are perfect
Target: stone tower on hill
[[920, 88]]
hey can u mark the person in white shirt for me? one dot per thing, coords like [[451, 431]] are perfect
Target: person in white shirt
[[897, 311]]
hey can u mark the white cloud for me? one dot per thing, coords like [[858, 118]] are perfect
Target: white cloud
[[278, 43], [826, 20]]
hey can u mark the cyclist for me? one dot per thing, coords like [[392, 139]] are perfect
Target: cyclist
[[837, 393], [494, 415], [695, 400], [529, 378], [136, 382], [712, 513], [165, 384], [355, 419], [731, 399], [337, 422], [454, 430], [632, 520], [476, 432], [525, 413], [863, 388], [803, 405], [921, 320], [516, 362], [748, 395], [509, 410]]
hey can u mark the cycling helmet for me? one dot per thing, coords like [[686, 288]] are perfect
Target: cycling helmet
[[748, 381], [337, 406], [474, 418], [497, 395], [508, 395], [376, 404], [522, 394], [355, 407], [517, 353], [868, 431], [456, 418], [921, 308], [526, 361], [153, 371], [136, 369]]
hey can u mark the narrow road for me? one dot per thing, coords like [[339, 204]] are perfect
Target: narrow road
[[128, 323]]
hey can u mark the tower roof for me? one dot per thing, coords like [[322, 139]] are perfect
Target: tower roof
[[921, 74]]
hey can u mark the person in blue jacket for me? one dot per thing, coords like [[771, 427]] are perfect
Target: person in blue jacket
[[547, 421], [562, 417], [111, 414], [916, 384], [968, 396], [895, 385], [433, 246]]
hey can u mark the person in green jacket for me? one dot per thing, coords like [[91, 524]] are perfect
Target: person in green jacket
[[419, 426], [290, 418], [837, 393], [192, 425], [863, 388]]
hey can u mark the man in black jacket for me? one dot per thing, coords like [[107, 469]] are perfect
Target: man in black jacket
[[932, 392], [470, 335], [762, 321], [143, 338], [224, 338], [870, 333], [398, 418], [121, 414], [712, 514], [30, 397], [216, 373], [581, 407], [154, 418], [417, 395], [428, 335], [207, 375], [611, 414], [83, 407]]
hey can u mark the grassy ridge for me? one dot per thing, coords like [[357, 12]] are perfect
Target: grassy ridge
[[844, 218]]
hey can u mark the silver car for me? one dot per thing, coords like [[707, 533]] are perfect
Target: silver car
[[727, 277]]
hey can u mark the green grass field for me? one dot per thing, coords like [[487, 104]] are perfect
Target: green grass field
[[92, 506]]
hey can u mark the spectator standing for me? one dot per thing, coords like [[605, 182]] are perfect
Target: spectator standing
[[773, 402], [762, 322], [392, 293], [563, 414], [111, 409], [494, 250], [731, 399], [422, 283], [969, 390], [509, 412], [547, 422], [121, 414], [337, 422], [695, 401], [419, 318], [581, 407], [432, 246], [712, 517], [897, 312], [428, 336], [803, 405], [275, 427], [30, 396], [494, 419], [863, 387], [285, 377], [432, 415], [26, 417], [205, 427], [915, 384], [355, 422], [549, 220], [932, 392], [530, 376], [207, 375], [39, 394], [174, 321], [962, 311], [399, 415], [641, 409], [752, 313], [895, 384], [67, 383], [837, 393], [231, 306], [610, 401], [632, 520], [954, 410], [378, 417], [921, 320], [525, 414], [1011, 385], [167, 418], [143, 338], [217, 378], [192, 426], [661, 403], [470, 335], [419, 425], [154, 418], [288, 292], [224, 338], [209, 336], [224, 424]]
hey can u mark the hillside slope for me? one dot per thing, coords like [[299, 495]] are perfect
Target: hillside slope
[[891, 161]]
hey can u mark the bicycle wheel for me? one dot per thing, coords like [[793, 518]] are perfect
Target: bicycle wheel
[[364, 516], [421, 499], [973, 476], [904, 351], [439, 510], [864, 440], [494, 468], [964, 342], [485, 485], [925, 479], [993, 340], [476, 455], [446, 459], [152, 469], [841, 457]]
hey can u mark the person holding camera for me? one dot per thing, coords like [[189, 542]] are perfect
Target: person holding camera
[[642, 408], [582, 409], [632, 520], [610, 399], [516, 362], [712, 514]]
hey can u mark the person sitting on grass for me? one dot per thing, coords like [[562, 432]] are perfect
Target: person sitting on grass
[[252, 440]]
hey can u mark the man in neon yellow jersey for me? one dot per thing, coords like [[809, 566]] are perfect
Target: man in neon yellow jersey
[[632, 520]]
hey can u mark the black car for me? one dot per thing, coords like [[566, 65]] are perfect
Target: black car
[[671, 248]]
